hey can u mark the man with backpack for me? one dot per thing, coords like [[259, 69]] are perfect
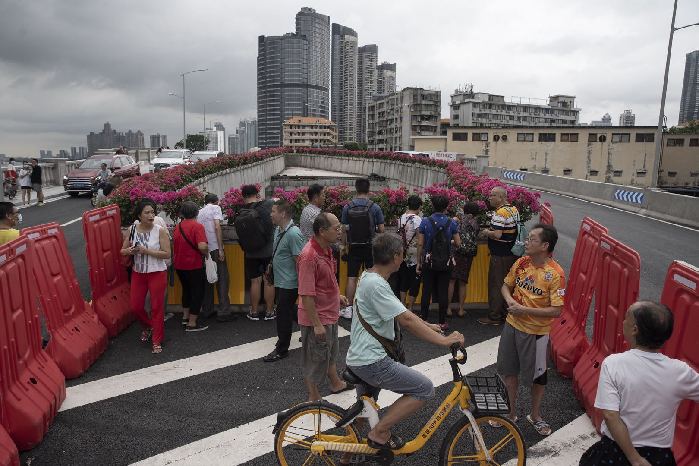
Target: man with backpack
[[253, 224], [362, 219], [502, 236], [435, 257], [406, 281]]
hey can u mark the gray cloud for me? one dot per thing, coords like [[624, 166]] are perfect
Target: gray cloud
[[67, 66]]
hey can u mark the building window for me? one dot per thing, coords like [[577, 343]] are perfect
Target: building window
[[459, 136], [547, 137], [694, 174], [592, 137], [569, 137], [594, 172], [545, 171], [525, 137], [455, 117], [523, 169], [567, 171], [621, 137], [675, 142], [694, 142], [479, 136], [672, 174], [645, 137], [618, 173], [641, 173]]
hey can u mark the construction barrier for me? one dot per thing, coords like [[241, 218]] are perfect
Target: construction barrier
[[8, 450], [108, 278], [78, 338], [32, 387], [546, 215], [681, 294], [568, 338], [616, 289]]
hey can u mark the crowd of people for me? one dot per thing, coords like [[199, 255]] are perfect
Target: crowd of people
[[29, 178]]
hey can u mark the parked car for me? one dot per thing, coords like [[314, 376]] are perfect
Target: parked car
[[85, 178], [202, 155], [170, 157]]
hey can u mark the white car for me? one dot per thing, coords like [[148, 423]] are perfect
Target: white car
[[198, 155], [170, 157]]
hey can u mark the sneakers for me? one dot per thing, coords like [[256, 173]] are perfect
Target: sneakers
[[346, 312], [252, 316], [197, 328], [275, 356]]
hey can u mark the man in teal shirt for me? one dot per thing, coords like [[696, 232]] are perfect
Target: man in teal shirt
[[366, 357], [288, 243]]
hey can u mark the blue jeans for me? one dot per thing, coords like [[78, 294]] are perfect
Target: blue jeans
[[390, 375]]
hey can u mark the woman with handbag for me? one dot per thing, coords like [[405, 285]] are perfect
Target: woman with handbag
[[148, 246], [191, 247]]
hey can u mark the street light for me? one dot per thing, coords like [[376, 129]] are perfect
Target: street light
[[184, 106], [655, 176], [207, 103]]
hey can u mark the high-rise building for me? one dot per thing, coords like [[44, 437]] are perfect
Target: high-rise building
[[282, 84], [134, 140], [158, 140], [82, 152], [73, 152], [386, 78], [367, 76], [309, 132], [344, 82], [627, 118], [234, 144], [315, 27], [247, 136], [605, 121], [395, 119], [220, 136], [689, 105], [109, 138], [64, 154], [469, 108]]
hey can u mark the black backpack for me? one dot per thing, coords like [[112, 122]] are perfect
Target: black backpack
[[252, 230], [361, 223], [440, 255]]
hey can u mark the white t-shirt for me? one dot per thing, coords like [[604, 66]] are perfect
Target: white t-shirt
[[206, 217], [411, 222], [646, 388]]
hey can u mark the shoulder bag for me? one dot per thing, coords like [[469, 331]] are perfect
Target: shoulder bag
[[209, 264]]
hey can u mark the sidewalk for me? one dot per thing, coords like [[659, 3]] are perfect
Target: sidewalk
[[50, 192]]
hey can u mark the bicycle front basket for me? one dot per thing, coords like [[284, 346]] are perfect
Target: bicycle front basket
[[489, 394]]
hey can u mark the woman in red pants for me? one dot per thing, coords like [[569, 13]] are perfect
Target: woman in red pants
[[149, 244]]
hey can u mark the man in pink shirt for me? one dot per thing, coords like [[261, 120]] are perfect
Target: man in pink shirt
[[320, 307]]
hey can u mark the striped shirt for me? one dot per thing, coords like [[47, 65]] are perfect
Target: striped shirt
[[308, 216], [504, 219]]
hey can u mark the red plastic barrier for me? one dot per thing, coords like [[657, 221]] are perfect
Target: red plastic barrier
[[78, 338], [568, 338], [546, 215], [31, 384], [681, 294], [8, 450], [615, 290], [110, 286]]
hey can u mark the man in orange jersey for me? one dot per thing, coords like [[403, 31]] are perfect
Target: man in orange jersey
[[533, 290]]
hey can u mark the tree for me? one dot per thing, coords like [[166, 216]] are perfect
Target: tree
[[354, 146], [194, 142], [691, 127]]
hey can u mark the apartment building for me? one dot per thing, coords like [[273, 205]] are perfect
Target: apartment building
[[309, 132], [343, 82]]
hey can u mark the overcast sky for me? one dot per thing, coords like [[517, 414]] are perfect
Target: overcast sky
[[67, 66]]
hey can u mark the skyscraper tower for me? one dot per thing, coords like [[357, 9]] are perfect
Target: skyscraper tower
[[386, 80], [315, 27], [367, 76], [689, 105], [344, 82]]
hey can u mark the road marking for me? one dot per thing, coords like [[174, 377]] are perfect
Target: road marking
[[47, 201], [254, 439], [70, 222], [563, 447], [121, 384]]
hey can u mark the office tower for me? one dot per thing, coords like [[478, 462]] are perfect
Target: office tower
[[386, 79], [367, 77], [344, 82], [73, 152], [689, 105], [627, 118], [605, 121], [158, 140], [315, 27]]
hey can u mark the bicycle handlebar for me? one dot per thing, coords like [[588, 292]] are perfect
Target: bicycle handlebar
[[455, 350]]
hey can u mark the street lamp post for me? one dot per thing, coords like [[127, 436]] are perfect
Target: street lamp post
[[184, 106], [655, 176]]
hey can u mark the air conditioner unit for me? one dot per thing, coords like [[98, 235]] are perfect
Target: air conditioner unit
[[603, 138]]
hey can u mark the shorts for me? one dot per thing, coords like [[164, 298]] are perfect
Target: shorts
[[255, 267], [318, 355], [522, 353], [26, 187], [607, 452], [36, 187], [408, 281], [462, 268], [359, 255], [387, 374]]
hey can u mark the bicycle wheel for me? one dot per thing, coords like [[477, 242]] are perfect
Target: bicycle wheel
[[505, 443], [306, 424]]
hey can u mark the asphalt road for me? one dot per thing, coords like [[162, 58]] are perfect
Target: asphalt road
[[122, 427]]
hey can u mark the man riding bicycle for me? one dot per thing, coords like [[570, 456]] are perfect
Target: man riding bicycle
[[376, 312]]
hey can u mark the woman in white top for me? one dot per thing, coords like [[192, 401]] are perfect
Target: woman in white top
[[149, 245], [25, 183]]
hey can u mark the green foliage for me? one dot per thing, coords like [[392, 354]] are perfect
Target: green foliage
[[194, 142], [691, 128], [354, 146]]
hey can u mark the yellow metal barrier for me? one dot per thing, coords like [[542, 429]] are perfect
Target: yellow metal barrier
[[476, 291]]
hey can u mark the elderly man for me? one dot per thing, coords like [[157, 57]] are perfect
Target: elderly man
[[316, 199], [501, 235], [320, 306], [639, 391]]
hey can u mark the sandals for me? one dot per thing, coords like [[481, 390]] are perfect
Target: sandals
[[146, 335], [157, 349], [542, 427], [393, 443]]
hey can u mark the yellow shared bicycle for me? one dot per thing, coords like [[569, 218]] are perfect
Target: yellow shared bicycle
[[324, 433]]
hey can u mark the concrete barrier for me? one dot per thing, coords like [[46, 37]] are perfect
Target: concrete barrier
[[254, 173], [651, 202]]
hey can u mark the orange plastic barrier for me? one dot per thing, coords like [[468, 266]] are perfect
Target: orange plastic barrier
[[568, 338], [78, 338], [681, 294], [110, 286], [615, 290], [546, 215], [32, 386], [8, 450]]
